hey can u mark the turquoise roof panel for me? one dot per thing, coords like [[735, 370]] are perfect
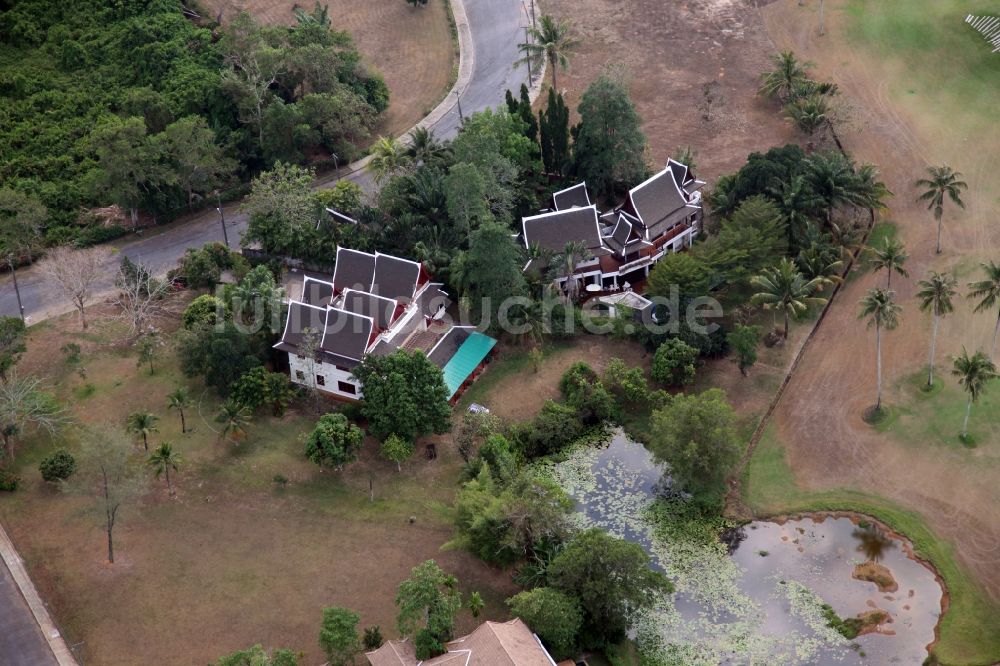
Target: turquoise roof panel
[[468, 357]]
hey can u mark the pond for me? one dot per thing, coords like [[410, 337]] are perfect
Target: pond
[[762, 602]]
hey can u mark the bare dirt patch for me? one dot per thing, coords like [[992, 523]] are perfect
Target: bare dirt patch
[[411, 47], [819, 420], [693, 69]]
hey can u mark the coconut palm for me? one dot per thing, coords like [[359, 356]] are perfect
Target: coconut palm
[[573, 253], [424, 146], [935, 296], [550, 40], [143, 424], [883, 313], [163, 460], [180, 400], [834, 181], [388, 156], [973, 373], [788, 75], [890, 258], [797, 202], [234, 418], [820, 262], [988, 293], [809, 113], [870, 191], [942, 181], [784, 289]]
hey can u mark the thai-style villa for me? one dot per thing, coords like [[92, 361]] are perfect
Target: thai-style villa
[[660, 215], [491, 644], [374, 304]]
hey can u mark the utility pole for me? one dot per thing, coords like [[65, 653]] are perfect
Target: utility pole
[[222, 216], [461, 115], [17, 290], [533, 15], [527, 59], [822, 28]]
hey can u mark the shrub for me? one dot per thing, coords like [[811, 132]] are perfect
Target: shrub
[[257, 387], [373, 638], [99, 234], [426, 645], [198, 269], [203, 311], [585, 393], [555, 426], [9, 480], [674, 363], [627, 383], [334, 442], [57, 466], [554, 615]]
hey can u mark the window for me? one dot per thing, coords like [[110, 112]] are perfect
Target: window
[[346, 387], [299, 375], [321, 380]]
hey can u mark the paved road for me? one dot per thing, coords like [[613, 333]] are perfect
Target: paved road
[[21, 641], [497, 26]]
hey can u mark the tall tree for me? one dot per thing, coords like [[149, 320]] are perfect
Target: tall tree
[[611, 578], [144, 424], [75, 273], [610, 147], [428, 600], [196, 160], [234, 419], [935, 296], [334, 442], [282, 211], [941, 180], [834, 181], [988, 293], [164, 459], [24, 405], [338, 635], [551, 40], [253, 66], [573, 253], [493, 272], [744, 340], [129, 163], [405, 395], [553, 125], [21, 219], [784, 289], [890, 258], [973, 373], [180, 400], [555, 616], [396, 449], [109, 475], [809, 114], [882, 313]]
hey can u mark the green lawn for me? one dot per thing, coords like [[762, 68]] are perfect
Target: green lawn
[[970, 630]]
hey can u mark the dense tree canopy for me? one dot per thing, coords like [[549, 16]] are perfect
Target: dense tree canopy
[[405, 395]]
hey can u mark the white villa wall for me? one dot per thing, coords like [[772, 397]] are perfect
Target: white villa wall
[[331, 376]]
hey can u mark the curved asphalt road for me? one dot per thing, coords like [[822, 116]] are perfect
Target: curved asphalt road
[[497, 27]]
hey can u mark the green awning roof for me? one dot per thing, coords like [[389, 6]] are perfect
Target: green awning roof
[[466, 360]]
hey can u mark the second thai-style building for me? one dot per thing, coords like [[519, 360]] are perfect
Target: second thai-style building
[[660, 215]]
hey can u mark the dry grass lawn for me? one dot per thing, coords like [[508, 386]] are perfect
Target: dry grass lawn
[[234, 560]]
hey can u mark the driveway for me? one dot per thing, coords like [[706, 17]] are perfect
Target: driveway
[[497, 27]]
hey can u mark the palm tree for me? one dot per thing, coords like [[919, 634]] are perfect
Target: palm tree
[[834, 181], [988, 293], [808, 113], [942, 181], [550, 40], [788, 75], [387, 157], [822, 263], [573, 253], [882, 313], [973, 373], [180, 400], [870, 191], [234, 418], [163, 460], [889, 258], [797, 202], [144, 424], [424, 146], [935, 297], [784, 289]]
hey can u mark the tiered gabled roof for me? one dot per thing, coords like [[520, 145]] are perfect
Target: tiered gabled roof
[[382, 311], [354, 270], [661, 200], [571, 197], [551, 231], [346, 335], [492, 644], [396, 278], [316, 292]]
